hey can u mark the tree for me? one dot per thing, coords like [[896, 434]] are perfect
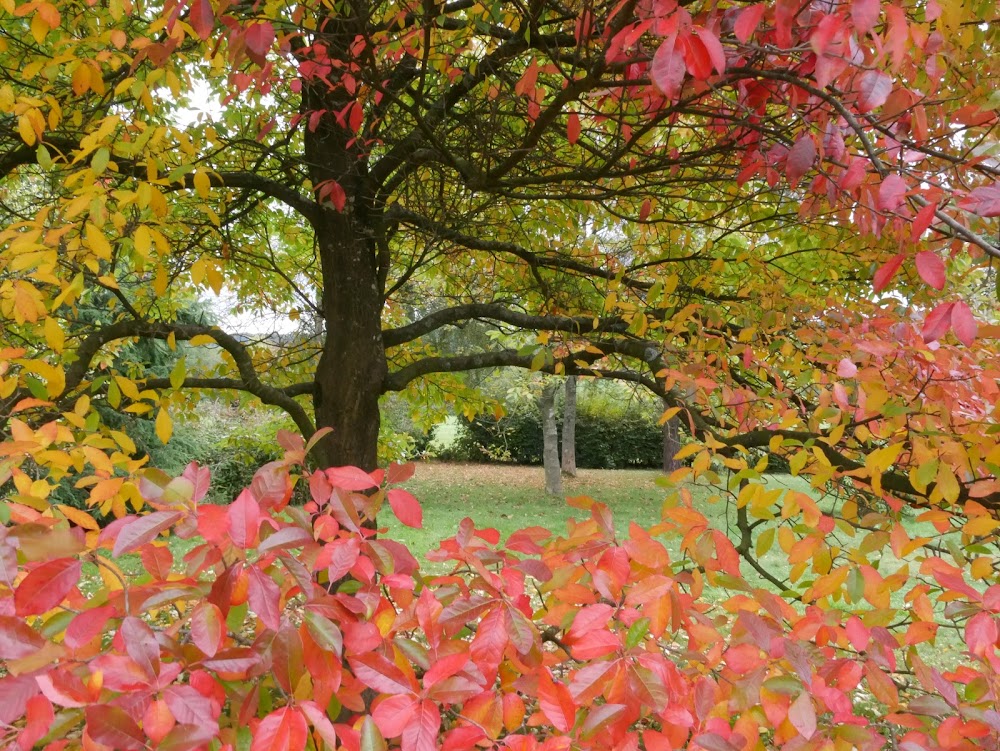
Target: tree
[[550, 437], [368, 156], [568, 443]]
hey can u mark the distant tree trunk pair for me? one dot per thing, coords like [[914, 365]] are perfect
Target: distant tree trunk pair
[[550, 435]]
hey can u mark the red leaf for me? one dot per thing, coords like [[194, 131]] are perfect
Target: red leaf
[[667, 69], [489, 643], [888, 270], [87, 625], [17, 639], [350, 478], [284, 729], [141, 645], [699, 62], [318, 719], [931, 269], [393, 714], [556, 703], [46, 586], [981, 634], [800, 158], [244, 520], [573, 127], [264, 597], [983, 201], [891, 193], [338, 557], [202, 18], [937, 322], [286, 537], [874, 88], [258, 39], [406, 507], [865, 14], [207, 628], [963, 323], [714, 49], [376, 672], [157, 720], [802, 715], [923, 220], [748, 22], [139, 530], [111, 726], [157, 560], [422, 733]]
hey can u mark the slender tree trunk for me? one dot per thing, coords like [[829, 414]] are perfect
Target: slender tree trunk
[[671, 444], [550, 439], [569, 429]]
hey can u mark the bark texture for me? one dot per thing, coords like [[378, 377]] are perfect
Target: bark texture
[[550, 439], [569, 429]]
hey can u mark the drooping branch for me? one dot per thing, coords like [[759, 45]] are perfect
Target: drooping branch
[[249, 378]]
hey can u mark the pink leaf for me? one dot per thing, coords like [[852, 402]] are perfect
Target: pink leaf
[[393, 714], [891, 193], [983, 201], [748, 22], [963, 323], [202, 18], [846, 368], [865, 14], [981, 634], [350, 478], [207, 628], [140, 643], [244, 520], [874, 88], [141, 529], [284, 729], [406, 507], [258, 38], [46, 586], [802, 715], [667, 69], [937, 322], [887, 271], [422, 733], [18, 639], [376, 672], [265, 598], [87, 625], [800, 158], [111, 726], [931, 269]]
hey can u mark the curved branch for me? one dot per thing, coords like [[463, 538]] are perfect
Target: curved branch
[[88, 349]]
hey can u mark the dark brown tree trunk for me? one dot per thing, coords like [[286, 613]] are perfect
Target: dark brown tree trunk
[[671, 444], [550, 439], [350, 375], [569, 429]]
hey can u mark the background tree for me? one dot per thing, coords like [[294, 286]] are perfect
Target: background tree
[[568, 443]]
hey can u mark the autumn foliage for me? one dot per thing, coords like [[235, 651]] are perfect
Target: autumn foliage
[[295, 628]]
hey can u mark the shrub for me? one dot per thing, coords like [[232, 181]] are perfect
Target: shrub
[[603, 440], [290, 629]]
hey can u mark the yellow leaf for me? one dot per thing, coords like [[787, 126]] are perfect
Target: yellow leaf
[[78, 517], [177, 374], [982, 525], [201, 339], [26, 130], [128, 388], [97, 242], [164, 425], [54, 335], [202, 184]]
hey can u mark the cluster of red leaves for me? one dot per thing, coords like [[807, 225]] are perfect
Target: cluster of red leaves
[[295, 627]]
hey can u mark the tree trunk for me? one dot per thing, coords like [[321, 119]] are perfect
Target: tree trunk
[[569, 429], [550, 439], [351, 372], [671, 444]]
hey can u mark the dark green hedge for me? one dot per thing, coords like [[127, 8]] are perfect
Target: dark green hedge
[[602, 441]]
